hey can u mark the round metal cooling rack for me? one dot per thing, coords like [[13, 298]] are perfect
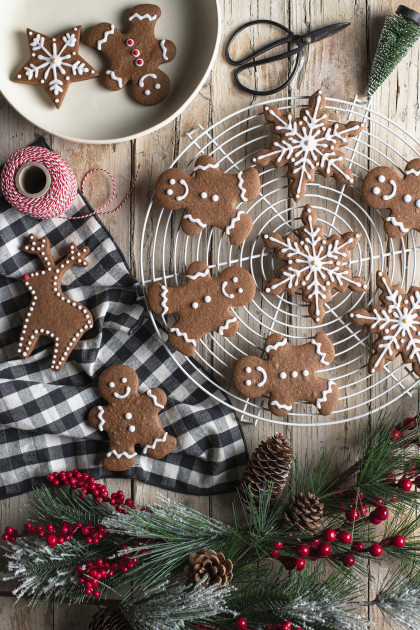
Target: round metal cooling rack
[[167, 252]]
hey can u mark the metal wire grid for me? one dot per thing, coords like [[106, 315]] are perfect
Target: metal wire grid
[[167, 252]]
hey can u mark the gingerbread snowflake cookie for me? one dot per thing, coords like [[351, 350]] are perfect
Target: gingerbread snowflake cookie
[[130, 418], [384, 189], [203, 304], [55, 63], [136, 55], [308, 144], [290, 374], [316, 264], [396, 322], [51, 313], [210, 197]]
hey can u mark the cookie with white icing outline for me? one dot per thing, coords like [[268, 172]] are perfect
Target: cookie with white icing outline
[[135, 56], [316, 264], [203, 304], [384, 189], [55, 63], [210, 197], [130, 418], [308, 145], [289, 374]]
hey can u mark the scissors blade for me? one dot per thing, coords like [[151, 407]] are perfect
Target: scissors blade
[[325, 31]]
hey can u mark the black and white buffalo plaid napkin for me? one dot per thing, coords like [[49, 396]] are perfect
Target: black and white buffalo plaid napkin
[[43, 414]]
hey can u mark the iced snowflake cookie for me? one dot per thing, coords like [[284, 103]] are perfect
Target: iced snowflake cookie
[[203, 304], [210, 197], [316, 264], [308, 144], [129, 418], [384, 189], [55, 63], [289, 375], [136, 55], [396, 322]]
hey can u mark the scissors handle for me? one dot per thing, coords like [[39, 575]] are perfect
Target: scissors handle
[[284, 85], [278, 42]]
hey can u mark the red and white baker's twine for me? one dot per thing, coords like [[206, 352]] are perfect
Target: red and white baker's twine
[[62, 192]]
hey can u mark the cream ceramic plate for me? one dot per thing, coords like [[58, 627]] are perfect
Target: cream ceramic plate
[[90, 112]]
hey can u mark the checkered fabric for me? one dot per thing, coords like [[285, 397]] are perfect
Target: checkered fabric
[[43, 414]]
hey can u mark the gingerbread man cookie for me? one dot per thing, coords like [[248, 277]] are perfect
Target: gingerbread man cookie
[[210, 197], [396, 322], [289, 374], [136, 55], [203, 304], [314, 263], [308, 144], [384, 189], [130, 418], [51, 313]]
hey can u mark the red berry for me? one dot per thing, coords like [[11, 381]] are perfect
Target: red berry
[[274, 554], [405, 484], [410, 423], [52, 540], [378, 502], [241, 623], [345, 537], [303, 551], [300, 564], [96, 594], [329, 534], [358, 546], [348, 560], [398, 541], [374, 521], [5, 537], [9, 531], [60, 540], [278, 545], [381, 513], [289, 564], [50, 527], [286, 625], [352, 515], [375, 550], [315, 542], [363, 510], [324, 550], [396, 435]]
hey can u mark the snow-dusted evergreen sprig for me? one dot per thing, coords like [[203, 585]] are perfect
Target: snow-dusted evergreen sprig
[[57, 505], [399, 599], [177, 606]]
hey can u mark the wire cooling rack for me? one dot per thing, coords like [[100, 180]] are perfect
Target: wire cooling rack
[[167, 252]]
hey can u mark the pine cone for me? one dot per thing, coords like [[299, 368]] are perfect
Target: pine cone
[[210, 566], [269, 465], [108, 619], [304, 512]]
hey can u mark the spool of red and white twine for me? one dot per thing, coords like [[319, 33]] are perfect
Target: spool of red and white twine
[[41, 184]]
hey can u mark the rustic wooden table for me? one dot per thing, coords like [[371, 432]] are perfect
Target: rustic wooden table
[[338, 65]]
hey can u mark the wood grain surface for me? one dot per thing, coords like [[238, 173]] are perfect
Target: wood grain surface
[[338, 65]]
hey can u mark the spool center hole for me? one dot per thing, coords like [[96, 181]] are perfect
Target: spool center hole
[[34, 179]]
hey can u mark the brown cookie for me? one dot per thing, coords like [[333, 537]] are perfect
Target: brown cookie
[[308, 144], [55, 63], [384, 189], [136, 55], [314, 263], [130, 418], [203, 304], [396, 322], [289, 375], [51, 313], [210, 197]]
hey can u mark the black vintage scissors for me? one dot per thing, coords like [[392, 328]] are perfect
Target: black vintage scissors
[[300, 41]]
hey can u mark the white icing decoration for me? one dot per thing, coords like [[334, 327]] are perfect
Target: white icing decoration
[[190, 218], [275, 403], [305, 372], [381, 179], [417, 204], [376, 190], [144, 77], [105, 37], [131, 428], [128, 415], [392, 194], [203, 195], [283, 375], [164, 302], [164, 50], [264, 375], [145, 16], [318, 350], [186, 190], [248, 370], [115, 78], [215, 197], [147, 93], [226, 325], [228, 295], [119, 455], [100, 417], [241, 186], [412, 171], [233, 221], [398, 224], [199, 274], [407, 198], [157, 86], [207, 298], [294, 374], [111, 384], [325, 393], [156, 441], [154, 399], [127, 393], [277, 345], [184, 335], [248, 382], [194, 305]]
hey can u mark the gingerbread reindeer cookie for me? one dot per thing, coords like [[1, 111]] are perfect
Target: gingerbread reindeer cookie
[[130, 418], [203, 304], [384, 189], [289, 374], [51, 313], [136, 55], [210, 197]]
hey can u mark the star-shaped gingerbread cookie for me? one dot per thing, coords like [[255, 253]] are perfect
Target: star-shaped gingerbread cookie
[[314, 263], [308, 144], [136, 55], [396, 322], [55, 63]]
